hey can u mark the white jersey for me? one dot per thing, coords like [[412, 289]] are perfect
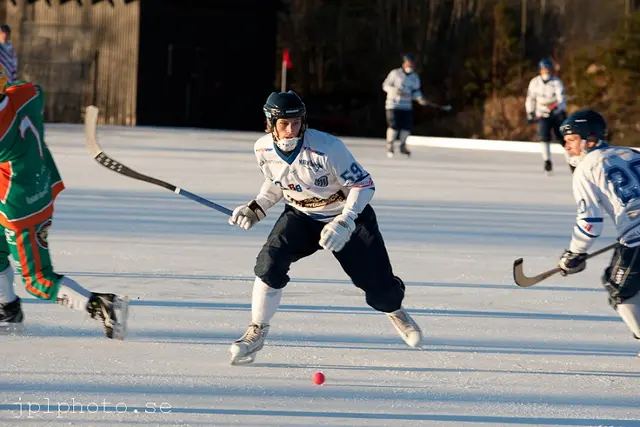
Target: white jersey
[[320, 178], [402, 89], [542, 97], [607, 179]]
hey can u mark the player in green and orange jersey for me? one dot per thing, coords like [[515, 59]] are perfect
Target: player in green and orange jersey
[[29, 184]]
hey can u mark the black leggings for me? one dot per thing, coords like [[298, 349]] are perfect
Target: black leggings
[[364, 258]]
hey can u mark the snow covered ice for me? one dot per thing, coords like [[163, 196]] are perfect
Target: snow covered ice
[[493, 354]]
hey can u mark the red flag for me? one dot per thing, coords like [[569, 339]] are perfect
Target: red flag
[[286, 58]]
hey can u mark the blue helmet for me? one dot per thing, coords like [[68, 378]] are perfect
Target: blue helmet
[[545, 63], [408, 57], [285, 105], [589, 124]]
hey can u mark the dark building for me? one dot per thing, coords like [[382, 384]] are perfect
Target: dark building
[[205, 63], [195, 63]]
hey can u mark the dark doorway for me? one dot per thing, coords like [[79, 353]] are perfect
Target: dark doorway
[[206, 63]]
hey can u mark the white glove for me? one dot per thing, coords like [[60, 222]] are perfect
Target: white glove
[[422, 101], [337, 233], [246, 216]]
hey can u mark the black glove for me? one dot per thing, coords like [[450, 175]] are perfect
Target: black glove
[[571, 263], [531, 119]]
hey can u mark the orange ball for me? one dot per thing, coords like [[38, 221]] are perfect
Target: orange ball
[[318, 378]]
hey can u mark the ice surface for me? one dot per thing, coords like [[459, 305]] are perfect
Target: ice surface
[[454, 221]]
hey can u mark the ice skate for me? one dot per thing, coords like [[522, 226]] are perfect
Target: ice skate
[[407, 328], [243, 351], [112, 311], [11, 317], [390, 150], [548, 167], [405, 151]]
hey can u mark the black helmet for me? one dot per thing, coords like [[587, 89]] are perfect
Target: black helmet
[[284, 105], [5, 29], [589, 124]]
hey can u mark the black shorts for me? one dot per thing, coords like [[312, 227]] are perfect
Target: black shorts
[[547, 125], [400, 119], [364, 258]]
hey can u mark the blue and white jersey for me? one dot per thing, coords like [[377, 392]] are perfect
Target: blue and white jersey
[[320, 178], [607, 179], [402, 89], [542, 97]]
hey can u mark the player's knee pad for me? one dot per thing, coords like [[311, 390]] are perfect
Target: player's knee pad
[[392, 134], [386, 297], [270, 270]]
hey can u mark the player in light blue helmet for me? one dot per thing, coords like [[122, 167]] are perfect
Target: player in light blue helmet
[[546, 105]]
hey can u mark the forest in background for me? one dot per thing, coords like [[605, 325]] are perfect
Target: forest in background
[[477, 55]]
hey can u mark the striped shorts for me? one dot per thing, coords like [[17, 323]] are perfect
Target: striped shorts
[[30, 251]]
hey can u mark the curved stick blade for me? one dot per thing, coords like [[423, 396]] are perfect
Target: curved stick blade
[[90, 130]]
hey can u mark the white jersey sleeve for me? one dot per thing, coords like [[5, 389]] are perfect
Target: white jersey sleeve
[[589, 221], [350, 174], [269, 195]]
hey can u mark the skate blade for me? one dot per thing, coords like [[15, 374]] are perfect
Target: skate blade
[[121, 308], [242, 360]]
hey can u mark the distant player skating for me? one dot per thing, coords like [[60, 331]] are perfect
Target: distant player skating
[[546, 105], [402, 86]]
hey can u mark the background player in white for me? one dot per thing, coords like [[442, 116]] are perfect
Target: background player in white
[[402, 86], [327, 194], [546, 104], [606, 179]]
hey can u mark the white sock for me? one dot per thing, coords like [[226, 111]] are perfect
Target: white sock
[[630, 313], [71, 294], [392, 135], [546, 150], [264, 302], [7, 293], [404, 134]]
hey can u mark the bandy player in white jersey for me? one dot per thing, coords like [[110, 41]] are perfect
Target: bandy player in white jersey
[[606, 179], [327, 194]]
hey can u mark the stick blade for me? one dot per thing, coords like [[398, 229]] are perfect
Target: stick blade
[[90, 130], [525, 281], [518, 275]]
